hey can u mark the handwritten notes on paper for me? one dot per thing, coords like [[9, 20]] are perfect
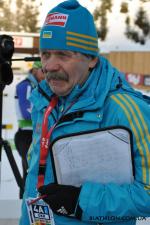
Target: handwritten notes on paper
[[102, 156]]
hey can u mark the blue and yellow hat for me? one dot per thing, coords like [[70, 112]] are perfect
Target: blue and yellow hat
[[69, 26]]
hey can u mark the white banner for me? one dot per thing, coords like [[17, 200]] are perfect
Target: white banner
[[23, 42]]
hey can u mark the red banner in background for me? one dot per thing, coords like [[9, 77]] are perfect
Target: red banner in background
[[135, 79], [141, 81]]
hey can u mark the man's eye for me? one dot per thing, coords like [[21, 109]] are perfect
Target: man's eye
[[62, 54], [65, 53]]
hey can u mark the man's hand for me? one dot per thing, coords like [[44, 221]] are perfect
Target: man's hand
[[62, 199]]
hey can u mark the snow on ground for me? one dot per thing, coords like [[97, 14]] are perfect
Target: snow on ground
[[8, 187], [10, 204]]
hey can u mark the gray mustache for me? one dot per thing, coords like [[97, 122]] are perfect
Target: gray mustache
[[56, 76]]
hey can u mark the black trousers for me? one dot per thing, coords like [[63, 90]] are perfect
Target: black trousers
[[23, 139]]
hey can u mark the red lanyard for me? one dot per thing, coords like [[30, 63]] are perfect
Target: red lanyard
[[45, 138], [44, 144]]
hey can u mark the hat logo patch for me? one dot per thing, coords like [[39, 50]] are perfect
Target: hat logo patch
[[47, 34], [56, 19]]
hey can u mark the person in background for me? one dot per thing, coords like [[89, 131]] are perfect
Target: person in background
[[23, 136], [84, 92]]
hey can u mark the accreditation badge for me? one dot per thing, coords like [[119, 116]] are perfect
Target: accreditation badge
[[39, 213]]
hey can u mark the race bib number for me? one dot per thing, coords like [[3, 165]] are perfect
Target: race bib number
[[39, 213]]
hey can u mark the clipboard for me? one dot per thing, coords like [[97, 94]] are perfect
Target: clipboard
[[101, 156]]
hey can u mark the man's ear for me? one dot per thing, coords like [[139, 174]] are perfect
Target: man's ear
[[93, 62]]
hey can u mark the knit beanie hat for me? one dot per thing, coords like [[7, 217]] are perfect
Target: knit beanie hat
[[37, 65], [69, 26]]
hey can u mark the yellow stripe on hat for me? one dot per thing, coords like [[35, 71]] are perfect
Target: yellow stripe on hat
[[82, 41], [128, 113], [82, 46], [81, 35]]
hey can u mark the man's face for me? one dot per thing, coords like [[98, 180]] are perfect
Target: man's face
[[65, 69]]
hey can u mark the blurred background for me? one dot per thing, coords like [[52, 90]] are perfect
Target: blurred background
[[123, 28]]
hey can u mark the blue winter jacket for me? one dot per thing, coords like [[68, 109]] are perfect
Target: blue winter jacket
[[23, 91], [106, 99]]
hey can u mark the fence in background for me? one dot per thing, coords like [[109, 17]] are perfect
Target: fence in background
[[130, 62], [136, 66]]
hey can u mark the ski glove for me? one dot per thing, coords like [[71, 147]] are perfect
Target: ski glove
[[62, 199]]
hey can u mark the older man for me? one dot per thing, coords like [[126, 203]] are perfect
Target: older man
[[82, 92]]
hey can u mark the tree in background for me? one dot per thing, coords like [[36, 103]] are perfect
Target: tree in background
[[5, 17], [100, 16], [21, 17], [137, 31]]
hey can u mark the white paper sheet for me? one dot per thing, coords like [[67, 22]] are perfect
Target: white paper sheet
[[104, 156]]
